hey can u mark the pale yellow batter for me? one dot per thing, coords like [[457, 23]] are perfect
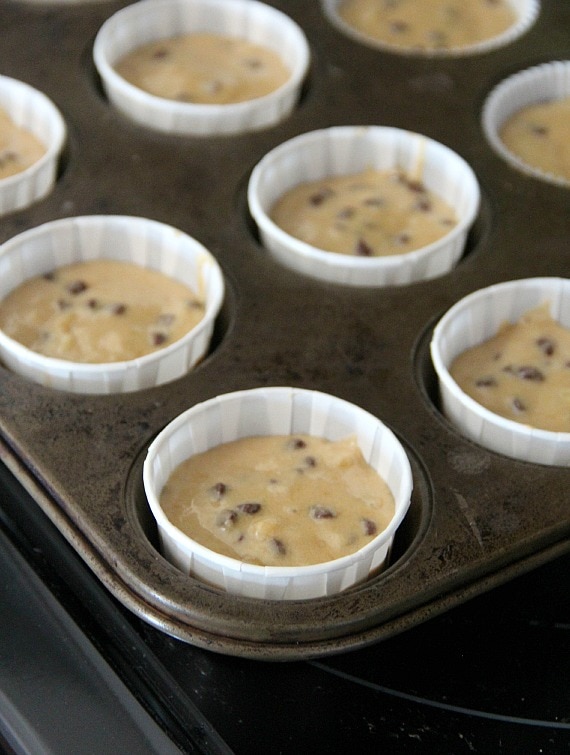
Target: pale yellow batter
[[540, 136], [367, 214], [100, 311], [204, 69], [429, 24], [522, 373], [19, 148], [279, 500]]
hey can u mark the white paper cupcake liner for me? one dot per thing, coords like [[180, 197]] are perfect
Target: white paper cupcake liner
[[475, 319], [526, 14], [150, 20], [30, 109], [343, 150], [272, 411], [129, 239], [542, 83]]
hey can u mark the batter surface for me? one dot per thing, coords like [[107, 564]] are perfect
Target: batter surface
[[429, 24], [522, 373], [367, 214], [19, 148], [99, 311], [204, 69], [540, 136], [279, 500]]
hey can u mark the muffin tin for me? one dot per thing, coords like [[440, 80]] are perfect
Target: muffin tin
[[477, 518]]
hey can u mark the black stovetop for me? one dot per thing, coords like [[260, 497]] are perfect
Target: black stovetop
[[489, 676]]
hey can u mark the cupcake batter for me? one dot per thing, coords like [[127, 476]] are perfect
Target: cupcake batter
[[100, 311], [522, 373], [429, 24], [279, 500], [539, 135], [367, 214], [19, 148], [204, 69]]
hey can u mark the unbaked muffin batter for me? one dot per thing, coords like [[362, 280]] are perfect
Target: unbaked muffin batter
[[522, 373], [204, 69], [429, 24], [368, 214], [100, 311], [19, 148], [279, 500], [540, 136]]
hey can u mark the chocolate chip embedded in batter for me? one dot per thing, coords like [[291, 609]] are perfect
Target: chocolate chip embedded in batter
[[518, 405], [250, 507], [161, 53], [369, 527], [486, 382], [253, 63], [527, 372], [346, 213], [119, 309], [218, 490], [363, 249], [399, 27], [539, 130], [424, 205], [402, 239], [196, 304], [9, 156], [77, 287], [296, 443], [321, 512], [158, 339], [547, 346], [321, 196], [50, 276], [278, 546], [226, 518]]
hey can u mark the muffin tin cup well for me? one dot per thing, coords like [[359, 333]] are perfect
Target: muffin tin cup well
[[477, 517]]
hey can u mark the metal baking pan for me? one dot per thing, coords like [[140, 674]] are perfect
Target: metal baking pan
[[477, 518]]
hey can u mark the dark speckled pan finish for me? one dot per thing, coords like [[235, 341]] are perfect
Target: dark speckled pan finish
[[477, 518]]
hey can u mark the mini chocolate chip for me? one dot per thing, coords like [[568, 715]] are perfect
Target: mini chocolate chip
[[158, 339], [415, 186], [162, 52], [51, 276], [424, 205], [345, 213], [527, 372], [218, 490], [518, 405], [278, 546], [403, 239], [93, 304], [369, 527], [196, 304], [119, 309], [321, 512], [319, 197], [250, 507], [226, 518], [539, 130], [546, 345], [296, 444], [253, 63], [76, 287], [310, 461], [486, 382], [363, 249], [399, 27]]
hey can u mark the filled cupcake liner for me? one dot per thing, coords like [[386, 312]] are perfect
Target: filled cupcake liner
[[532, 86], [30, 109], [272, 411], [526, 12], [129, 239], [475, 319], [343, 150], [150, 20]]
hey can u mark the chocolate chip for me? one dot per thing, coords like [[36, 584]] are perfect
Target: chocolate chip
[[368, 526], [363, 249], [250, 507], [402, 239], [278, 546], [226, 518], [539, 130], [76, 287], [486, 382], [518, 405], [527, 372], [218, 490], [162, 52], [119, 309], [93, 304], [424, 205], [196, 304], [253, 63], [345, 213], [310, 461], [399, 27], [50, 276], [415, 186], [296, 444], [319, 197], [158, 339], [321, 512], [546, 345]]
